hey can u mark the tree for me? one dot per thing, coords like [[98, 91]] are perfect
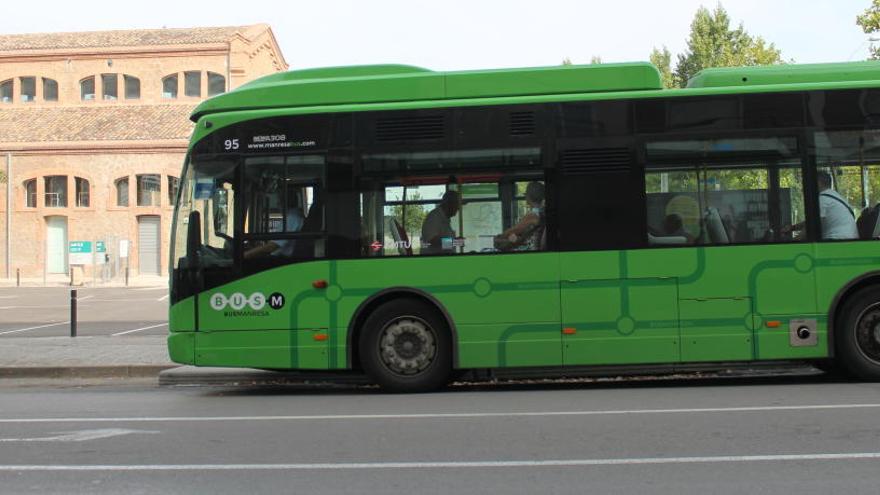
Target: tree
[[663, 61], [869, 21], [712, 43], [566, 61], [410, 216], [595, 60]]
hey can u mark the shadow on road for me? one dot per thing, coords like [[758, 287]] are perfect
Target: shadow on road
[[356, 385]]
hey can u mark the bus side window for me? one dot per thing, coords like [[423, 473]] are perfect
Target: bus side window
[[697, 200]]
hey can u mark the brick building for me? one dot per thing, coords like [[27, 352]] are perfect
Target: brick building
[[93, 133]]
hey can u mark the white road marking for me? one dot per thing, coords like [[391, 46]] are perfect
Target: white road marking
[[163, 298], [150, 288], [83, 298], [35, 328], [80, 436], [139, 329], [448, 464], [8, 297], [348, 417]]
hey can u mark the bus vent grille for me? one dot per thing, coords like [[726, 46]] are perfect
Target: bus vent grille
[[410, 128], [522, 123], [596, 160]]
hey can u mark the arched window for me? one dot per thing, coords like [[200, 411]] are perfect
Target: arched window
[[121, 191], [28, 89], [132, 87], [192, 82], [87, 88], [148, 187], [30, 193], [173, 185], [56, 191], [6, 91], [169, 86], [82, 192], [50, 89], [216, 84], [109, 86]]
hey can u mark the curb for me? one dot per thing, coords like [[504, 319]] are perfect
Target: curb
[[121, 371]]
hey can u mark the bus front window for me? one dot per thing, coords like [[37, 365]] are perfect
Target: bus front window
[[209, 188], [283, 210]]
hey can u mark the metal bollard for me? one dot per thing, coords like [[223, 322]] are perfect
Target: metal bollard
[[126, 276], [18, 277], [73, 312]]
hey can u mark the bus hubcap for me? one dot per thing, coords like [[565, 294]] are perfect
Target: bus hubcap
[[868, 333], [407, 346]]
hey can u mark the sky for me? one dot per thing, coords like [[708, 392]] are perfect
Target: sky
[[474, 34]]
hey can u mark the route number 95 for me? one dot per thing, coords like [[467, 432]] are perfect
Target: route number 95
[[230, 144]]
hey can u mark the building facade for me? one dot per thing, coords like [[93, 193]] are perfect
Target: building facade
[[94, 129]]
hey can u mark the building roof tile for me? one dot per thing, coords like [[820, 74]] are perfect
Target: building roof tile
[[116, 39], [97, 123]]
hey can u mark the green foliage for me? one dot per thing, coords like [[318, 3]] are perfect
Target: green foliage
[[411, 216], [595, 59], [2, 177], [712, 43], [848, 182], [869, 21], [663, 61]]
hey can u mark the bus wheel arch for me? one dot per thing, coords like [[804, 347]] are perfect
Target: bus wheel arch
[[371, 304], [856, 348]]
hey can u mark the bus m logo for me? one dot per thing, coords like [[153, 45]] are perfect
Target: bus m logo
[[238, 301]]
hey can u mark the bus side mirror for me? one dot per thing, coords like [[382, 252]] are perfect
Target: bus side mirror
[[193, 239]]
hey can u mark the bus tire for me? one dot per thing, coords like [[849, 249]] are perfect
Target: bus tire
[[858, 336], [405, 347]]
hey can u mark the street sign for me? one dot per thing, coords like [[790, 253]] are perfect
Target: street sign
[[101, 251], [80, 252]]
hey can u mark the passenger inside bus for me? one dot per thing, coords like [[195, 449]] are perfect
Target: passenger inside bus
[[293, 222], [837, 217], [529, 233], [673, 225], [437, 232]]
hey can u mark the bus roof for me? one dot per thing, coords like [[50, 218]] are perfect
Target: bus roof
[[404, 83], [786, 74], [400, 83]]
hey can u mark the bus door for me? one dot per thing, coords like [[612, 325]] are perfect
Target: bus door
[[720, 213], [203, 255], [620, 320], [611, 314]]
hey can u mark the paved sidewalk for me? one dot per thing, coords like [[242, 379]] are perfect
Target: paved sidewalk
[[132, 357], [83, 357], [64, 281]]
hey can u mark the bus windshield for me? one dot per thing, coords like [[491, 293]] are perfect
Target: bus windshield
[[208, 187]]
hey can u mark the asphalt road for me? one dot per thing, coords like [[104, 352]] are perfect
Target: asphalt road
[[45, 311], [795, 435]]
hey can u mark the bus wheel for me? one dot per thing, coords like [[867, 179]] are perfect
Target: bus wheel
[[858, 338], [405, 347]]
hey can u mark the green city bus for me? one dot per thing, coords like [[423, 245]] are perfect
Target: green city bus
[[412, 224]]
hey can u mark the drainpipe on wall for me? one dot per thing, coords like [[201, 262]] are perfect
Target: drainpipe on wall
[[8, 215]]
